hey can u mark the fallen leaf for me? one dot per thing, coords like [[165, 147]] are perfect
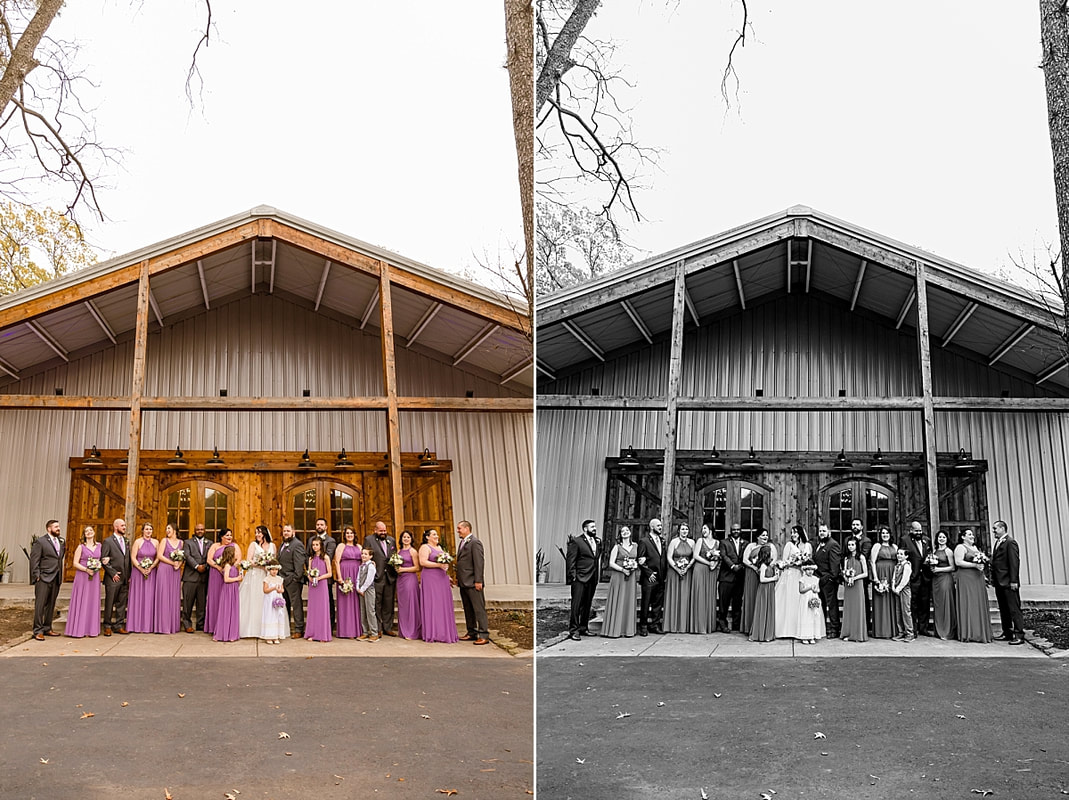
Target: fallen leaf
[[981, 792], [339, 777], [181, 694], [44, 663], [87, 715], [823, 752], [716, 695], [1040, 692], [283, 735], [577, 761], [43, 760], [167, 794], [425, 716], [124, 704], [78, 706], [622, 715], [230, 796], [446, 792], [819, 735], [504, 692], [960, 716], [705, 794], [490, 769]]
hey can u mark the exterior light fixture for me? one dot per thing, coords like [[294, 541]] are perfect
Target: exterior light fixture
[[178, 459], [93, 459], [425, 460], [306, 461], [216, 460], [630, 458], [963, 463], [879, 463], [842, 463], [752, 461], [343, 460], [713, 460]]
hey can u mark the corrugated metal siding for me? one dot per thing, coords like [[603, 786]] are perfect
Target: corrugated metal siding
[[264, 346], [805, 347]]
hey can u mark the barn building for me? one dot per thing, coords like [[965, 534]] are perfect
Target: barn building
[[263, 369], [803, 369]]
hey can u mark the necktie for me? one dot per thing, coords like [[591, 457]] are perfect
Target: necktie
[[385, 548], [55, 544], [122, 544]]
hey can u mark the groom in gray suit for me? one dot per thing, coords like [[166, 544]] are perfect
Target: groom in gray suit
[[195, 579], [46, 575], [469, 567], [115, 556], [291, 557]]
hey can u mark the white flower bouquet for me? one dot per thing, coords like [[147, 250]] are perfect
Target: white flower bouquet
[[178, 556], [395, 560], [93, 564], [444, 558], [346, 586]]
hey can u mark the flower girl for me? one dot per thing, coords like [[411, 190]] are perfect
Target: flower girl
[[811, 615], [276, 623]]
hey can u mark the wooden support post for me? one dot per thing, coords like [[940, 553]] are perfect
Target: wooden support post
[[389, 384], [925, 355], [136, 391], [671, 414]]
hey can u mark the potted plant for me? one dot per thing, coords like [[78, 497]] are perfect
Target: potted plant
[[541, 566], [5, 566]]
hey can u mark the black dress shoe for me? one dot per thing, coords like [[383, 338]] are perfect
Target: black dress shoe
[[1002, 637], [1016, 641], [585, 633], [574, 636], [643, 632]]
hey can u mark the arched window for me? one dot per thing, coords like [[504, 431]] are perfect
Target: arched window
[[338, 503], [873, 503], [191, 502], [735, 500]]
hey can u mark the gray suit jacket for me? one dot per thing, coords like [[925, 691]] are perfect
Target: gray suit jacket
[[292, 558], [194, 558], [46, 563], [469, 565], [118, 563], [384, 573]]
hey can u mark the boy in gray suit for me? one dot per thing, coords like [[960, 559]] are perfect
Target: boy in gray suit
[[365, 587]]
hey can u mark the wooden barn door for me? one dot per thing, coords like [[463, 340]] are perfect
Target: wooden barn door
[[96, 499], [963, 504], [340, 503], [428, 503]]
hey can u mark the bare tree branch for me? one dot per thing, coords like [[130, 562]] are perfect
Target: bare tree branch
[[194, 68], [558, 58], [729, 73], [21, 59]]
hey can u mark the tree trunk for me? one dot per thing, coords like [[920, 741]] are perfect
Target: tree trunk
[[1054, 32], [22, 62], [519, 39]]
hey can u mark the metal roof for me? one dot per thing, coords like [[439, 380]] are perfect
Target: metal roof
[[427, 308], [803, 251]]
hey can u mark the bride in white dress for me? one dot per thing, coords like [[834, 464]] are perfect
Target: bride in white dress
[[788, 601], [251, 597]]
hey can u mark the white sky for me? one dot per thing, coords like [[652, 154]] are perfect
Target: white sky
[[390, 122], [924, 121]]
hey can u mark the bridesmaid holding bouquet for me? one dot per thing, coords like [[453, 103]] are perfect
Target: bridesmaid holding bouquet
[[140, 610], [347, 568], [83, 616], [854, 573], [974, 620], [215, 577], [317, 624], [438, 617], [409, 623], [167, 611], [944, 609], [228, 617], [764, 615]]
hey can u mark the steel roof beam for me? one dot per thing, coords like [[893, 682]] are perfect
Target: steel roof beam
[[103, 323], [542, 367], [44, 336], [584, 340], [322, 284], [371, 305], [857, 284], [690, 307], [738, 283], [424, 321], [10, 370], [479, 338], [635, 318], [906, 306], [1052, 370], [203, 284], [1010, 343], [155, 307], [519, 369], [957, 324]]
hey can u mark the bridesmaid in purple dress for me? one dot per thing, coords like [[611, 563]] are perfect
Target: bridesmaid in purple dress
[[83, 616], [409, 624], [142, 596], [168, 584], [347, 565], [215, 577], [317, 622], [228, 616], [438, 616]]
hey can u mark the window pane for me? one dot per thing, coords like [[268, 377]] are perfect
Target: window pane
[[752, 512], [215, 512], [304, 513], [877, 509], [341, 510], [840, 512], [178, 504], [715, 512]]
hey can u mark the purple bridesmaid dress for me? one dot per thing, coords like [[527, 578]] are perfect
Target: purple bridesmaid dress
[[439, 618], [408, 610], [228, 617], [317, 620], [139, 614], [83, 616], [168, 594], [215, 585], [348, 605]]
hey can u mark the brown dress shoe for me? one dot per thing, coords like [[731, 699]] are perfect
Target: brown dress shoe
[[39, 637], [123, 631], [481, 641], [296, 635], [107, 631], [390, 633], [189, 630], [467, 637], [51, 633]]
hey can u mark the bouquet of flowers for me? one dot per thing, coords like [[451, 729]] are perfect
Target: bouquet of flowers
[[313, 575], [714, 559], [931, 560], [849, 575], [395, 560], [346, 586], [444, 558], [681, 563], [145, 563], [980, 558], [814, 602], [93, 564], [795, 560], [178, 556], [245, 564], [264, 558], [882, 587], [278, 602], [629, 564]]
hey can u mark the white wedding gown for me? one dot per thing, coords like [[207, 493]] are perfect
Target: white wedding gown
[[251, 594]]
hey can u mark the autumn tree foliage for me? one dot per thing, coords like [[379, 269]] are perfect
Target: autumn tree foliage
[[38, 246]]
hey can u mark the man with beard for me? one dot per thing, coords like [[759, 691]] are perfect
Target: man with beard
[[828, 557], [917, 549], [732, 581], [652, 566], [583, 565], [291, 556], [864, 547], [382, 546], [330, 545]]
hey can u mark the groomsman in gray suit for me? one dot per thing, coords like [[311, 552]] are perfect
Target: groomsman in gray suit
[[330, 546], [195, 579], [46, 575], [115, 556], [291, 558], [584, 570], [469, 569], [382, 546]]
